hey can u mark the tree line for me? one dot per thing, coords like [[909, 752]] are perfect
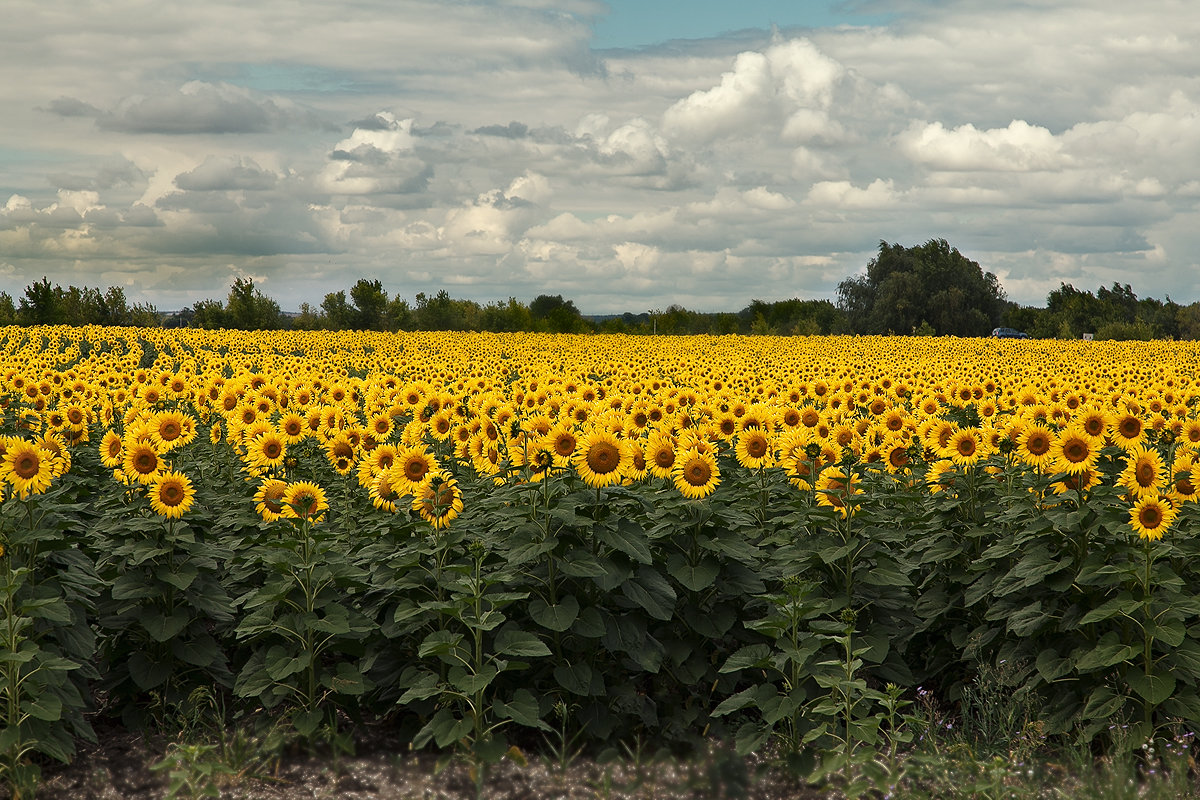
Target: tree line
[[928, 289]]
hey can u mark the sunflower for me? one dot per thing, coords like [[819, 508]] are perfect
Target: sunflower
[[1144, 473], [1034, 445], [1151, 516], [562, 441], [1074, 451], [1186, 474], [304, 500], [171, 494], [266, 450], [383, 491], [695, 474], [936, 478], [964, 447], [413, 464], [1092, 421], [834, 489], [111, 449], [1191, 433], [1077, 481], [292, 427], [1128, 430], [142, 462], [638, 469], [660, 454], [754, 449], [28, 467], [601, 459], [896, 457], [269, 499], [438, 500]]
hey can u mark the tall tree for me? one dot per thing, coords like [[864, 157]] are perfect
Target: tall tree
[[931, 284]]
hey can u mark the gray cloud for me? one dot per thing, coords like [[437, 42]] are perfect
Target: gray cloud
[[224, 174], [204, 108]]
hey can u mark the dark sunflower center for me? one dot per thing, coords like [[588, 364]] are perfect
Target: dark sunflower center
[[1145, 474], [664, 457], [145, 462], [603, 457], [1075, 451], [1150, 517], [171, 495], [1038, 444], [756, 447], [26, 465], [697, 472]]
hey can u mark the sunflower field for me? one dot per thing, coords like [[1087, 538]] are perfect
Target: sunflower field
[[483, 538]]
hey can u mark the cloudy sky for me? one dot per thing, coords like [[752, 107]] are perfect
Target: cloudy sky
[[626, 154]]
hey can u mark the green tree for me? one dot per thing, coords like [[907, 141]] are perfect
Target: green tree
[[370, 303], [554, 314], [338, 314], [249, 309], [933, 282], [39, 306]]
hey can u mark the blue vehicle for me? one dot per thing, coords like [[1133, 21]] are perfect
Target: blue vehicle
[[1008, 333]]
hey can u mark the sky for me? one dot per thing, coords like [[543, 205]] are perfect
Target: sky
[[627, 155]]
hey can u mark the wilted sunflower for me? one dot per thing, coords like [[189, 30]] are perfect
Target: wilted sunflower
[[1151, 516], [171, 494], [695, 474], [601, 459], [438, 500]]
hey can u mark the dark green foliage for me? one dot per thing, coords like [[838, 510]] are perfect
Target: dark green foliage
[[933, 283]]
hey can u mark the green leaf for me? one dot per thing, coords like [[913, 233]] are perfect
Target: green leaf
[[735, 702], [1154, 689], [146, 673], [280, 663], [47, 707], [511, 641], [422, 688], [628, 538], [1116, 606], [557, 617], [307, 722], [650, 590], [751, 737], [1107, 652], [750, 656], [1051, 666], [589, 624], [523, 710], [472, 682], [575, 678], [695, 578], [161, 627], [439, 643], [1028, 619], [348, 680]]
